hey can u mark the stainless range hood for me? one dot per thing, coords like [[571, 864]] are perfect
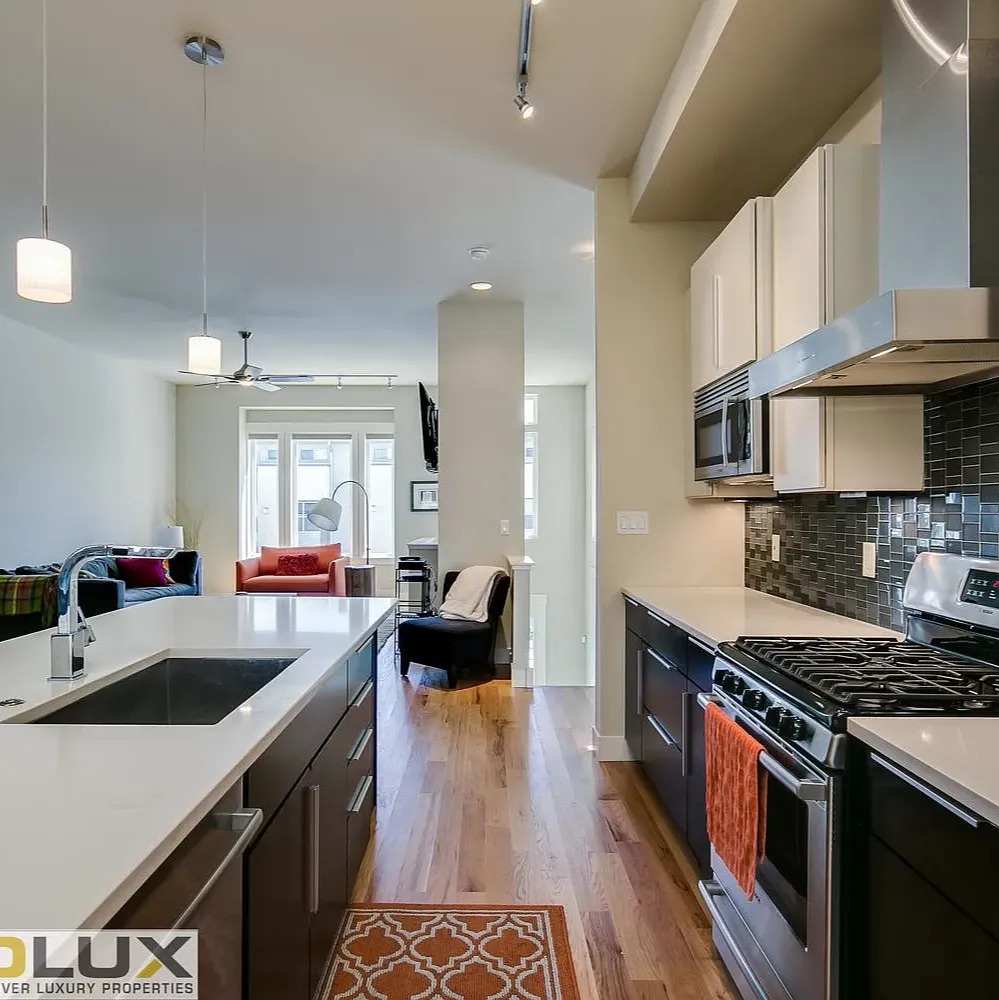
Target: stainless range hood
[[936, 323]]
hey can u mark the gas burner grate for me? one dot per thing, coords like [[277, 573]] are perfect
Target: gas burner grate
[[885, 675]]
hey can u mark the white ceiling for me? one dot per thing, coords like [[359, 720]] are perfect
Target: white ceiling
[[357, 150]]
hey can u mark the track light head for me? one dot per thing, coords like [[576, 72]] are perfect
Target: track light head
[[524, 106]]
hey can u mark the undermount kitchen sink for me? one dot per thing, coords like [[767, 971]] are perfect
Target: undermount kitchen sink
[[177, 691]]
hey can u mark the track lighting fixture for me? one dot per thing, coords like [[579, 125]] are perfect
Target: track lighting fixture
[[523, 105]]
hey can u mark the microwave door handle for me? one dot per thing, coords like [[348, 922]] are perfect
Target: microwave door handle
[[724, 431]]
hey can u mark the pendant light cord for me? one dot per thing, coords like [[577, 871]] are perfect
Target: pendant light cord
[[204, 188], [45, 120]]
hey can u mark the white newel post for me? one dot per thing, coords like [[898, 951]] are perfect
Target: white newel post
[[521, 671]]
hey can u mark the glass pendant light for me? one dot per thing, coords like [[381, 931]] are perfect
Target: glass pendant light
[[43, 268], [204, 352]]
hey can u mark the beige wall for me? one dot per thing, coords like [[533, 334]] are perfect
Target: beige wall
[[643, 402], [87, 454], [208, 466], [480, 371], [861, 122]]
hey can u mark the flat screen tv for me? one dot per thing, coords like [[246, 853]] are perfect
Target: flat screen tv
[[428, 423]]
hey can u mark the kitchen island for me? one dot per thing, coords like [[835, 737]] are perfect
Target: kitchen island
[[91, 811]]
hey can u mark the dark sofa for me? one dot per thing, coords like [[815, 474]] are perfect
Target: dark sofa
[[101, 590]]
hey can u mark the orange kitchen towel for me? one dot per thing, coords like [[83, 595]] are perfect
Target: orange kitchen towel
[[736, 796]]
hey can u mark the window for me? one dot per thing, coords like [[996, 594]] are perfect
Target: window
[[530, 410], [531, 484], [288, 473]]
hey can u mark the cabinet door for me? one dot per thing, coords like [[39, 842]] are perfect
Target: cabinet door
[[798, 444], [327, 844], [735, 292], [277, 955], [697, 810], [799, 245], [663, 688], [633, 693], [703, 331]]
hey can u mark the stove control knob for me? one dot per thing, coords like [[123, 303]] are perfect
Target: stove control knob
[[791, 727], [734, 684], [720, 677], [756, 699], [774, 716]]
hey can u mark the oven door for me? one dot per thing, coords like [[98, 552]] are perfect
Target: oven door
[[778, 944]]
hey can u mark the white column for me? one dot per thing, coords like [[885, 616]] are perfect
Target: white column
[[521, 671]]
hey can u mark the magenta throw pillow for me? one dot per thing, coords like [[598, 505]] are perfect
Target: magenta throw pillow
[[298, 564], [144, 572]]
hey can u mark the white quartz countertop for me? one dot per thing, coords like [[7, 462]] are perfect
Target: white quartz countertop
[[89, 812], [721, 614], [955, 756]]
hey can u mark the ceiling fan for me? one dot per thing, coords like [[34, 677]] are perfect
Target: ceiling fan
[[250, 375]]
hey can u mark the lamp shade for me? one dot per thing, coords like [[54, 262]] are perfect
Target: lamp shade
[[204, 355], [44, 270], [326, 515], [172, 536]]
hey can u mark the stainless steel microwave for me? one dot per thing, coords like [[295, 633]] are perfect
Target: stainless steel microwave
[[731, 431]]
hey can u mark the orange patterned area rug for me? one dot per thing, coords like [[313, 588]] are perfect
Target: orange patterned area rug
[[416, 952]]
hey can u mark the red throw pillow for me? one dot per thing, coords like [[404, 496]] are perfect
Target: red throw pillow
[[144, 572], [298, 564]]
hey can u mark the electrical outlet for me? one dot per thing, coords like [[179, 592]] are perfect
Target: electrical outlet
[[775, 548], [869, 563]]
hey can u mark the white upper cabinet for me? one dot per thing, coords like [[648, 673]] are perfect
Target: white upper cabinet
[[730, 297], [825, 240]]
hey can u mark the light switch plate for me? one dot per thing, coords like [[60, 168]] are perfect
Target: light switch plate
[[775, 548], [632, 522], [869, 565], [504, 527]]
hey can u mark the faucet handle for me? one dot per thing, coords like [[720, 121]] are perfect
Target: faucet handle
[[85, 629]]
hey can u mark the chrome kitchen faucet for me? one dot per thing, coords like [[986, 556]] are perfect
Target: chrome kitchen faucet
[[74, 634]]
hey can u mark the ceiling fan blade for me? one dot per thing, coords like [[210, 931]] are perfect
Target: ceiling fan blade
[[248, 370], [290, 379], [266, 386]]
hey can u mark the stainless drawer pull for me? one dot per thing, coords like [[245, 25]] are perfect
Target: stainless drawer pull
[[709, 890], [312, 848], [246, 822], [662, 621], [361, 745], [684, 735], [955, 810], [701, 645], [665, 663], [661, 730], [360, 795], [640, 687], [369, 686]]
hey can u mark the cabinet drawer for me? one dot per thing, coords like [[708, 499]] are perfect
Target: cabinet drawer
[[635, 618], [667, 640], [953, 849], [359, 827], [272, 777], [663, 688], [700, 663], [361, 762], [662, 761], [360, 670]]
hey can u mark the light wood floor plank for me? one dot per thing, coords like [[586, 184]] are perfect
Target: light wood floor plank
[[490, 795]]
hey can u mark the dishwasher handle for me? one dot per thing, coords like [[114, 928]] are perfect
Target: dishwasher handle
[[245, 822]]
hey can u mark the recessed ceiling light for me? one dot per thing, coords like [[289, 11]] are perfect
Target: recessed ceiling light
[[481, 286], [534, 3]]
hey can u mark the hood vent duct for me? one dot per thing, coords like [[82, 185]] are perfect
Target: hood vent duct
[[936, 323]]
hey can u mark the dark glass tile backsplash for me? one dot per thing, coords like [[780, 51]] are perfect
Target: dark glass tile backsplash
[[822, 536]]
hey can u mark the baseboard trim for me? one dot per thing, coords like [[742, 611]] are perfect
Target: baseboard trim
[[521, 677], [611, 748]]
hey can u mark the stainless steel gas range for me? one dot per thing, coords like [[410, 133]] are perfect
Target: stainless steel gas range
[[795, 696]]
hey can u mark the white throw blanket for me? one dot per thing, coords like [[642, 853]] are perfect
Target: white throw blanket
[[468, 598]]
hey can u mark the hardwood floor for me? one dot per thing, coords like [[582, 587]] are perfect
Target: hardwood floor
[[490, 795]]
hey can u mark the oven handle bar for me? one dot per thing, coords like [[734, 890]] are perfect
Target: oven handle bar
[[951, 807], [806, 791], [708, 891]]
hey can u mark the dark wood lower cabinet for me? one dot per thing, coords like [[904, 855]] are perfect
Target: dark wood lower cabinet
[[663, 763], [633, 647], [301, 869], [697, 809], [277, 911]]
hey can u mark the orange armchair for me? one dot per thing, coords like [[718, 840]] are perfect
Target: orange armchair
[[259, 575]]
